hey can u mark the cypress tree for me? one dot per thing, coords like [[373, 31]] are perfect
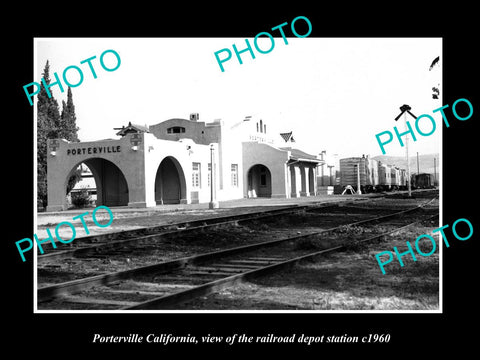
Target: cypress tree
[[48, 119], [69, 131], [53, 125]]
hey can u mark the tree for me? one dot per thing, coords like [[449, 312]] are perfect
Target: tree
[[52, 125], [435, 89], [48, 118], [68, 131], [68, 120]]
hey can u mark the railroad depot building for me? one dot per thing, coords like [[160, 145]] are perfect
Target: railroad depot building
[[170, 162]]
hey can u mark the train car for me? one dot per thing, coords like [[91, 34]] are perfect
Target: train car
[[372, 172], [374, 175], [384, 177], [394, 178], [367, 169], [422, 181], [403, 179], [349, 172]]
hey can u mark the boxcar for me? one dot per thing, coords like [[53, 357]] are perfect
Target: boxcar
[[384, 176], [422, 181], [368, 173]]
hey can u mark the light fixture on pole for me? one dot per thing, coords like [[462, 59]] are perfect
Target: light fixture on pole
[[404, 109], [213, 204]]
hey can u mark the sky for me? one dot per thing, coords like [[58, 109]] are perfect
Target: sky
[[335, 94]]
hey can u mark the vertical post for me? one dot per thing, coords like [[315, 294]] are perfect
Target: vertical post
[[408, 160], [213, 204], [358, 180], [434, 171], [322, 165], [330, 176]]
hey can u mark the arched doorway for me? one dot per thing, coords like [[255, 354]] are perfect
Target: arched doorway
[[259, 181], [111, 185], [170, 187], [81, 187]]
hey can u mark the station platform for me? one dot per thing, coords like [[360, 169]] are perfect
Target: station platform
[[126, 218]]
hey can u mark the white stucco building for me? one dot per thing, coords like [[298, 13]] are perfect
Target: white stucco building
[[170, 162]]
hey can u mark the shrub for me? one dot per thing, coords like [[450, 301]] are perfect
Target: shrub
[[80, 198]]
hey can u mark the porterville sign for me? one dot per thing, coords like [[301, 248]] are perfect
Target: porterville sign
[[94, 150]]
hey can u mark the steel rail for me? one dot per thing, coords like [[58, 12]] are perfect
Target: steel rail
[[165, 302], [184, 227], [78, 285]]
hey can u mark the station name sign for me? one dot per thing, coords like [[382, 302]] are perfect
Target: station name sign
[[260, 139], [94, 150]]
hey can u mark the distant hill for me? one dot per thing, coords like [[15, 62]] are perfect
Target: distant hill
[[426, 162]]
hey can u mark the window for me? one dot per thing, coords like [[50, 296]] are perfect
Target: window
[[175, 130], [234, 175], [261, 126], [196, 175]]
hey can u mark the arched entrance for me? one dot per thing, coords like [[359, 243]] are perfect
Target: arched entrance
[[170, 187], [111, 185], [259, 181]]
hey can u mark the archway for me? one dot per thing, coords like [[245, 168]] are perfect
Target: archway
[[259, 181], [170, 186], [111, 185], [81, 187]]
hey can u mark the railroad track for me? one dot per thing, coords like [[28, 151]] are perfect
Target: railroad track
[[92, 244], [95, 244], [163, 285], [118, 255]]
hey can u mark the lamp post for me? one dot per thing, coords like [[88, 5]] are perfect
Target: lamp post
[[213, 204]]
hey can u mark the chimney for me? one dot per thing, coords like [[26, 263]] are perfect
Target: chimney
[[194, 117]]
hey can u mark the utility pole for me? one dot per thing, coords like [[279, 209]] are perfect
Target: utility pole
[[404, 109], [408, 159]]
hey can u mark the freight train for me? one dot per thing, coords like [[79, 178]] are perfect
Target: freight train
[[377, 176]]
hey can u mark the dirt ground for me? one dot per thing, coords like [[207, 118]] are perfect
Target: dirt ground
[[348, 280], [125, 218]]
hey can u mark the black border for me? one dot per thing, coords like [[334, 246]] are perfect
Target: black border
[[430, 332]]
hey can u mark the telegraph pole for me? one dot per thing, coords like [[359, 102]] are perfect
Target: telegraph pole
[[404, 109], [408, 160]]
